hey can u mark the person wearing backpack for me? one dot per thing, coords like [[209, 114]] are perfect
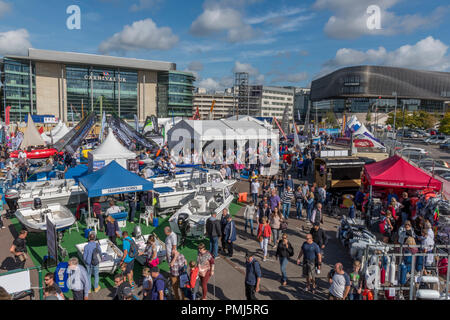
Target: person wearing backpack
[[159, 285], [252, 276], [130, 251], [92, 256]]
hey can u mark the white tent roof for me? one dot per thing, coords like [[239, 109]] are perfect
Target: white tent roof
[[209, 130], [59, 131], [31, 136], [111, 148]]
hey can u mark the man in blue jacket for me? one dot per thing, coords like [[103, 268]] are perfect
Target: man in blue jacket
[[252, 276], [230, 234], [92, 266]]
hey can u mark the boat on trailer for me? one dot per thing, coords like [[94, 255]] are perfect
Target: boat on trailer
[[210, 197], [63, 191], [170, 193]]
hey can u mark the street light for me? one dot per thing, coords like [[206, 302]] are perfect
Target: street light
[[395, 119]]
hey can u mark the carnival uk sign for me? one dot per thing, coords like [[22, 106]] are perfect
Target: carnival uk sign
[[104, 77]]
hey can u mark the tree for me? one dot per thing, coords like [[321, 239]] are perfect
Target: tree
[[398, 120], [445, 124], [331, 120]]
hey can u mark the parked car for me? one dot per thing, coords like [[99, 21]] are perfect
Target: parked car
[[437, 171], [445, 145], [436, 139], [430, 162], [413, 150]]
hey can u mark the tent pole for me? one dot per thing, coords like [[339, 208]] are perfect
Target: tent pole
[[89, 207]]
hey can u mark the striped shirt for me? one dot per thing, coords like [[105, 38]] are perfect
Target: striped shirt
[[287, 196]]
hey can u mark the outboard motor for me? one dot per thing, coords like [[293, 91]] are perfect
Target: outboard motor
[[11, 198], [137, 232], [37, 203], [183, 226]]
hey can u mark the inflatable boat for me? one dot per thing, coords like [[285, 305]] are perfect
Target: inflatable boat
[[37, 153]]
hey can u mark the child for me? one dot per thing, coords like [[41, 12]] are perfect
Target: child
[[356, 280], [191, 288], [147, 284]]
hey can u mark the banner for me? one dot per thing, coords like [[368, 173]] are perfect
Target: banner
[[7, 110], [74, 138], [103, 127]]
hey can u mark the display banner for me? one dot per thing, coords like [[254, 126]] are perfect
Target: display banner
[[121, 190]]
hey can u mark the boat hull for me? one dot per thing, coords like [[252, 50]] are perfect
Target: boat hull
[[35, 220], [111, 256], [37, 154]]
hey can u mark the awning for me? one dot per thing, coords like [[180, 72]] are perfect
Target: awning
[[395, 172], [113, 179]]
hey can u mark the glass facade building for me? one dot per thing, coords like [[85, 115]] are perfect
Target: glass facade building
[[175, 94], [16, 92], [363, 88], [103, 90]]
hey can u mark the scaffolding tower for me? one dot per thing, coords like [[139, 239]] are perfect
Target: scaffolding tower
[[242, 100]]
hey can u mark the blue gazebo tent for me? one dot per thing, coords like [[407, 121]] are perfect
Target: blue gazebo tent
[[76, 172], [112, 179]]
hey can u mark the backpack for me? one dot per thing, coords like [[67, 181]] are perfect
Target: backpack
[[96, 256], [167, 292], [133, 252]]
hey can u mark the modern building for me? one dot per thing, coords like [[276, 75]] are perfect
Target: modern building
[[68, 85], [302, 101], [363, 88], [223, 107], [175, 94], [275, 100]]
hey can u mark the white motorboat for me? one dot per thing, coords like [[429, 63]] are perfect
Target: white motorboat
[[62, 191], [35, 219], [210, 197], [170, 193], [111, 255]]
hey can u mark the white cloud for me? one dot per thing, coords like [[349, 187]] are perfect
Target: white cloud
[[245, 67], [14, 42], [274, 16], [220, 19], [144, 4], [428, 53], [5, 8], [143, 34], [349, 19], [209, 84]]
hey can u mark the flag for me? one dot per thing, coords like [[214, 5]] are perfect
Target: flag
[[7, 109], [299, 117], [136, 123], [103, 126]]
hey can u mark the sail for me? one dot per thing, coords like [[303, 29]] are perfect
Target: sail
[[285, 120], [127, 134], [73, 139], [31, 137], [296, 139]]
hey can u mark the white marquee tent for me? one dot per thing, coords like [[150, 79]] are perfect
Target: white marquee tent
[[110, 150]]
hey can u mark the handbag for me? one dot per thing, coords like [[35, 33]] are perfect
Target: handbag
[[260, 238], [283, 225]]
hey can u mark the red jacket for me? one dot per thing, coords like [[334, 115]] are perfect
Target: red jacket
[[267, 231], [193, 278]]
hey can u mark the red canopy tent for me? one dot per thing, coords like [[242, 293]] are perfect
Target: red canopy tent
[[395, 172]]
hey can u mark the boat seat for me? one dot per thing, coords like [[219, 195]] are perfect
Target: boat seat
[[213, 205]]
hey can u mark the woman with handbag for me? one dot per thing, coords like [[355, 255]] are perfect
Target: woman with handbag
[[276, 218], [264, 235], [151, 252], [284, 252]]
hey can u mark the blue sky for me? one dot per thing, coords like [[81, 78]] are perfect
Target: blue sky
[[287, 42]]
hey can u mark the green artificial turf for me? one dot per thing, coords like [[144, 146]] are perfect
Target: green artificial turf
[[37, 246]]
